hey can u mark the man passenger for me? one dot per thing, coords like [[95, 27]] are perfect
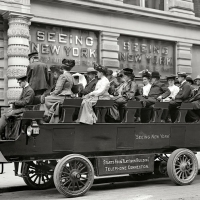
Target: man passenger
[[157, 92], [26, 98], [194, 115], [182, 96], [92, 73]]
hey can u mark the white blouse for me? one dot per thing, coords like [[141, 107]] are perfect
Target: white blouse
[[101, 88], [174, 91], [146, 89]]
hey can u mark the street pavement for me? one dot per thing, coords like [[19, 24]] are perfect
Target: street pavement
[[159, 189]]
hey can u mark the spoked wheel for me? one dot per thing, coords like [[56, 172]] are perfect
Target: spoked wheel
[[182, 166], [39, 174], [73, 175]]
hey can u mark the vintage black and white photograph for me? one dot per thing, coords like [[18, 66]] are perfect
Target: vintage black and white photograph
[[100, 99]]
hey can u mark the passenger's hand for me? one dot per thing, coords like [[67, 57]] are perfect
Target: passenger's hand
[[159, 98], [42, 99]]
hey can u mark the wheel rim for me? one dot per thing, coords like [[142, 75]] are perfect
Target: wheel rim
[[39, 173], [75, 176], [184, 167]]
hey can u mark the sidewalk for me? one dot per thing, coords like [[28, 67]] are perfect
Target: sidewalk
[[10, 182]]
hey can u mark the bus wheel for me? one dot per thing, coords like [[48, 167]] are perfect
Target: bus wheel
[[182, 167], [73, 175], [39, 174]]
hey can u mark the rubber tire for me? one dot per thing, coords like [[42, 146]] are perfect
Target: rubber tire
[[170, 166], [57, 173], [33, 186]]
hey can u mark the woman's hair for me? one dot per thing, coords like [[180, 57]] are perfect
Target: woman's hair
[[56, 68]]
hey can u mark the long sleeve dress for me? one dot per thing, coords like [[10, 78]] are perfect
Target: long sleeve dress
[[86, 113]]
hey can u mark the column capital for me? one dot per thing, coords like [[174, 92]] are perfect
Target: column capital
[[11, 14]]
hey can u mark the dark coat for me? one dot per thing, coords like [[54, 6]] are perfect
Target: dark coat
[[89, 87], [26, 98], [113, 86], [129, 90], [37, 76], [158, 89], [184, 93]]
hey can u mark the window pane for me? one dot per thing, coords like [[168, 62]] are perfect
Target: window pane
[[155, 4], [197, 7], [132, 2]]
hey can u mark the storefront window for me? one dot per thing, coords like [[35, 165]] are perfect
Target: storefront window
[[132, 2], [155, 4]]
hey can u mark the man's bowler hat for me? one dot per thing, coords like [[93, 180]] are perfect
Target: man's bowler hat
[[155, 75]]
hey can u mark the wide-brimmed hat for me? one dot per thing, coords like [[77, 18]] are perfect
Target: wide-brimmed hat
[[182, 74], [155, 75], [68, 64], [197, 78], [91, 70], [189, 79], [172, 76], [100, 68], [22, 78]]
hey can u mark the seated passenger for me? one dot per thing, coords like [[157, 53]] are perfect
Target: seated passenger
[[26, 98], [91, 72], [157, 92], [191, 82], [144, 91], [173, 88], [112, 81], [174, 91], [62, 91], [86, 113], [182, 96], [79, 84], [123, 94], [194, 115]]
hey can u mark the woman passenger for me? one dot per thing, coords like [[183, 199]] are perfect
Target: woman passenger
[[86, 113]]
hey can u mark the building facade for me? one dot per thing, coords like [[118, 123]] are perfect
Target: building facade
[[161, 35]]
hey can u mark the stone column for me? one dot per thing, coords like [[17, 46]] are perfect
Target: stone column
[[109, 49], [184, 7], [18, 49], [184, 57]]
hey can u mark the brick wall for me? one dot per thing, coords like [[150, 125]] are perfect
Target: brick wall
[[197, 7]]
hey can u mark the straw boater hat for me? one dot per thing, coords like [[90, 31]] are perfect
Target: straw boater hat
[[172, 76], [197, 78], [91, 70], [182, 74]]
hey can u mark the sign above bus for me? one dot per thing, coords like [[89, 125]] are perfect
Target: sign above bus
[[56, 43], [140, 53]]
